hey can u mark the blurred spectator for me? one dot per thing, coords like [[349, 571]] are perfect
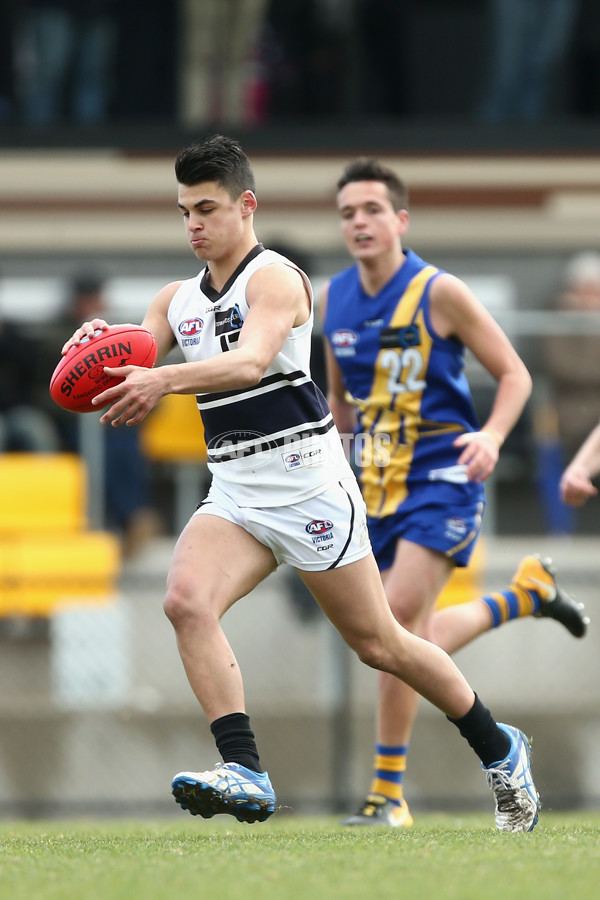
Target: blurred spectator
[[572, 368], [305, 43], [6, 60], [66, 57], [128, 487], [219, 41], [384, 32], [586, 59], [147, 59], [24, 426], [530, 39]]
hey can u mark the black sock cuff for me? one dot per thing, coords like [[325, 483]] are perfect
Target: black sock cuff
[[235, 740], [229, 722], [471, 719], [481, 731]]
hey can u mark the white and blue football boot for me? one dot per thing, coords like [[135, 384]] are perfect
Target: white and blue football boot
[[228, 788], [517, 800]]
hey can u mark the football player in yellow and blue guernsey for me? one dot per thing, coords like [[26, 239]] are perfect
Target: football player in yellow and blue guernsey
[[397, 329]]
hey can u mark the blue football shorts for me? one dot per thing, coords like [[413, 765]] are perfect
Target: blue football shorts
[[450, 529]]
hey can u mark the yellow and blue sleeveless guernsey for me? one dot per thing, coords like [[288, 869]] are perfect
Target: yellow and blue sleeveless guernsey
[[413, 400]]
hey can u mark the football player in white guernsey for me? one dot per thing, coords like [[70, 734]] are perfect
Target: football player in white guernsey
[[281, 492]]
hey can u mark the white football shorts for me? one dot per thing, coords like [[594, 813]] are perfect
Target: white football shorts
[[323, 532]]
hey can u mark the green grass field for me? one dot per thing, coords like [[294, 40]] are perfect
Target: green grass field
[[299, 858]]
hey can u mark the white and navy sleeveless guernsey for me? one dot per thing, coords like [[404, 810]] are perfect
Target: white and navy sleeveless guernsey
[[275, 443]]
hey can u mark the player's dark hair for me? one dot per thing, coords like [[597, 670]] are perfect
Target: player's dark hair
[[217, 158], [367, 168]]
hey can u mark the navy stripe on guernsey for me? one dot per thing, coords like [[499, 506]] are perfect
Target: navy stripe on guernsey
[[249, 421], [248, 447], [350, 529], [203, 400]]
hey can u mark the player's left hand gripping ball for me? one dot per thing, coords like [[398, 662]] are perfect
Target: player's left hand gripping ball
[[80, 375]]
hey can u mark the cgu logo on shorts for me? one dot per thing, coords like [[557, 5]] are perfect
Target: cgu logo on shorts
[[320, 530], [190, 330]]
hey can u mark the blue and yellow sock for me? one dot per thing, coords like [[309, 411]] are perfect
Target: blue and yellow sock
[[389, 768], [512, 603]]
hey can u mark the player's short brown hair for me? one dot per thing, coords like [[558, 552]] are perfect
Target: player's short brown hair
[[219, 159], [367, 168]]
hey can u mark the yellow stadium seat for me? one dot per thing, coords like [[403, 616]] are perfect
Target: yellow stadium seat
[[48, 557], [173, 436], [42, 491], [174, 432], [466, 583]]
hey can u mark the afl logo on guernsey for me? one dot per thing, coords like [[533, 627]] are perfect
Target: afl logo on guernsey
[[190, 327], [190, 330], [344, 341]]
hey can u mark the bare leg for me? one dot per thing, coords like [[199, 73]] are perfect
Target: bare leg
[[456, 626], [202, 585], [412, 585], [354, 600]]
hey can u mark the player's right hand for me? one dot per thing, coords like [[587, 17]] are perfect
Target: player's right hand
[[576, 486], [479, 455], [86, 329]]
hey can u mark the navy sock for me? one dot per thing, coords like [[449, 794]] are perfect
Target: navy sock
[[235, 740], [481, 731]]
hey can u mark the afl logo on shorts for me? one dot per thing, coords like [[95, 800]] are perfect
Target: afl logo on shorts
[[190, 327], [319, 526]]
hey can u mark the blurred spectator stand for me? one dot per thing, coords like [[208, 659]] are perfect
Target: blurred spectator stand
[[172, 436], [23, 424], [571, 363], [65, 60]]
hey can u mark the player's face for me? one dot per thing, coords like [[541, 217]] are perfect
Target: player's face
[[214, 222], [370, 224]]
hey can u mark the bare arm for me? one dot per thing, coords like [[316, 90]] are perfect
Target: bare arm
[[344, 413], [157, 322], [456, 312], [277, 299], [576, 483]]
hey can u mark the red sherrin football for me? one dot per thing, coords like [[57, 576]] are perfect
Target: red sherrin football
[[80, 375]]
